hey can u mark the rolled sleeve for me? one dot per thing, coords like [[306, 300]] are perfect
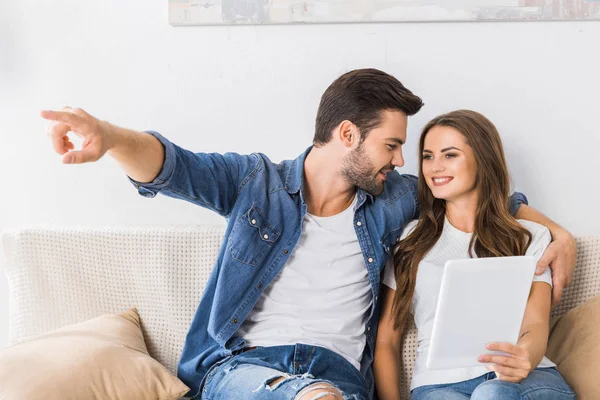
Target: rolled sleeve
[[515, 202], [163, 179]]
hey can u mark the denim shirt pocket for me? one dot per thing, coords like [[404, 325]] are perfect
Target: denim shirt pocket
[[252, 237]]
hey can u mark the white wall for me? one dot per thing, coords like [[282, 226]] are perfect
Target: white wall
[[252, 88]]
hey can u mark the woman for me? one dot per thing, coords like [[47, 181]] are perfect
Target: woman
[[464, 197]]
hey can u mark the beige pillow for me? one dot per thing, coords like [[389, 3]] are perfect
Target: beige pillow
[[103, 358], [574, 346]]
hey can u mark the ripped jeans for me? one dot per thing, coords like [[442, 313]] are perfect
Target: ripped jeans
[[308, 372]]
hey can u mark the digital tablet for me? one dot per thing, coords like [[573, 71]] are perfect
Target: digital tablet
[[481, 300]]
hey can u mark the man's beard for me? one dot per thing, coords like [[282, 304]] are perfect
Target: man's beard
[[358, 170]]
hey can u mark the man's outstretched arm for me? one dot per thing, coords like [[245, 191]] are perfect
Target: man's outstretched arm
[[560, 255], [152, 162], [139, 154]]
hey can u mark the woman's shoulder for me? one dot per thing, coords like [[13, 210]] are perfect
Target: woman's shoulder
[[539, 233], [408, 228], [533, 227]]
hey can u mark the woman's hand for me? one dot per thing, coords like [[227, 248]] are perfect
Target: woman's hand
[[512, 367]]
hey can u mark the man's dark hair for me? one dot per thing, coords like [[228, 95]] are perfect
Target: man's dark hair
[[361, 96]]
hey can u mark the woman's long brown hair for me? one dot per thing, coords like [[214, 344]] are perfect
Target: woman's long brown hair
[[497, 233]]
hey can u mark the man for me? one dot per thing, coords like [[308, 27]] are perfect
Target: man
[[291, 307]]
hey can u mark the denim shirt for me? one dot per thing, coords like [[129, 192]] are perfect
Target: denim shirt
[[264, 207]]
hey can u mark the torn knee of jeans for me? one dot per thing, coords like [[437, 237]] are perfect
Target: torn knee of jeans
[[320, 395], [321, 390], [274, 381]]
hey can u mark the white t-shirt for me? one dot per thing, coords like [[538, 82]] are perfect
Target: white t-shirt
[[453, 244], [321, 297]]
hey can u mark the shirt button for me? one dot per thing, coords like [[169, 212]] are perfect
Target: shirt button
[[266, 236], [358, 223], [260, 285], [285, 252], [253, 222], [370, 260], [368, 329], [235, 321]]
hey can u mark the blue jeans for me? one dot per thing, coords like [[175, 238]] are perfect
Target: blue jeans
[[542, 383], [249, 375]]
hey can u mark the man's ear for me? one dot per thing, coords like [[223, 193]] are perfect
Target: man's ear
[[347, 133]]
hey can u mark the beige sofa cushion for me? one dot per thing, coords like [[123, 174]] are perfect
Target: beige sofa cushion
[[102, 358], [574, 346]]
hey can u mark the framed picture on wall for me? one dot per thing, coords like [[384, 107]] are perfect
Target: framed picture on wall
[[229, 12]]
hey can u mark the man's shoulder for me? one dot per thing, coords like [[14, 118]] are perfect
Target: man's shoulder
[[274, 174], [259, 161], [281, 165], [397, 186]]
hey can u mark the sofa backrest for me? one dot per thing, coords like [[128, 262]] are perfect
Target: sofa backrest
[[59, 276]]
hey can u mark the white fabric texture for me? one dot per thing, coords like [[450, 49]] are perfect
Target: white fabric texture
[[62, 276], [59, 276], [585, 285], [321, 297], [453, 244]]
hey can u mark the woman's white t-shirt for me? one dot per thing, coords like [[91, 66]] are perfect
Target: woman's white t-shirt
[[453, 244]]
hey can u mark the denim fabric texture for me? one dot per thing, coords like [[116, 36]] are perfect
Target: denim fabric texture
[[541, 384]]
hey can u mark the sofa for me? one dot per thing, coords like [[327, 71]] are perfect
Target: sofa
[[59, 276]]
